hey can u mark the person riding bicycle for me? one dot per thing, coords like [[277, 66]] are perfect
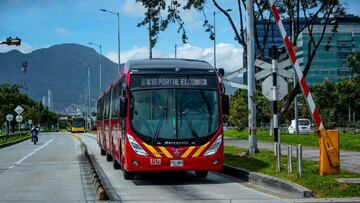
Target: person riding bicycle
[[34, 133]]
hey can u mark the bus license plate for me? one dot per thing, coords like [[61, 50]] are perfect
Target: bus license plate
[[176, 163], [155, 162]]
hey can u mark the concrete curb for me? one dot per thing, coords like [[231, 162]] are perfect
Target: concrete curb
[[284, 186], [97, 183], [102, 184], [14, 142]]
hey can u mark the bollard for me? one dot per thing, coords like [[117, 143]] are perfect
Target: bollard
[[274, 149], [289, 159], [299, 160], [277, 157]]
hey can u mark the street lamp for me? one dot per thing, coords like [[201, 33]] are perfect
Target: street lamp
[[89, 106], [98, 45], [214, 14], [118, 26], [176, 48]]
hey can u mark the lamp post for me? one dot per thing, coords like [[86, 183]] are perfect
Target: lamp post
[[214, 14], [176, 45], [98, 45], [89, 91], [118, 26]]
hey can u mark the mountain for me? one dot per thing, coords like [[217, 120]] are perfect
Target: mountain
[[59, 70]]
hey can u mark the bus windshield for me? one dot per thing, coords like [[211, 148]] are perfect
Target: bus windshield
[[175, 114], [79, 122]]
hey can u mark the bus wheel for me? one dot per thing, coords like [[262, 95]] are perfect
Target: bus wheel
[[102, 152], [116, 164], [128, 175], [108, 157], [201, 174]]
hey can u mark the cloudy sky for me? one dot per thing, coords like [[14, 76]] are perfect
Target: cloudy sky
[[43, 23]]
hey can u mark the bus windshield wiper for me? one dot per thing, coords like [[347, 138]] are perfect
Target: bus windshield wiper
[[158, 127], [193, 131]]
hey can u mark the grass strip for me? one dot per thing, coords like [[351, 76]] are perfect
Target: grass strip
[[348, 141], [322, 186], [14, 138]]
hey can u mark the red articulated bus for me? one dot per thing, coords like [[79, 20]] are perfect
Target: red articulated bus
[[163, 115]]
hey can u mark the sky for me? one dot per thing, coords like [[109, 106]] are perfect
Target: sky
[[43, 23]]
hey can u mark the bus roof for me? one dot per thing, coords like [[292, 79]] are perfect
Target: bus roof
[[167, 63]]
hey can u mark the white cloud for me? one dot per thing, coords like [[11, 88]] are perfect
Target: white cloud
[[61, 30], [228, 56], [133, 8], [24, 48]]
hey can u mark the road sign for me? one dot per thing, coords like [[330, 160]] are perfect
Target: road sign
[[19, 118], [9, 117], [19, 109], [267, 88], [30, 122], [267, 69]]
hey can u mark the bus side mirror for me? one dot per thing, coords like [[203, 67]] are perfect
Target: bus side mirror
[[221, 72], [225, 104], [122, 107]]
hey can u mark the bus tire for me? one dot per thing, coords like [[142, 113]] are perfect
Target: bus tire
[[108, 157], [102, 152], [201, 174], [128, 175], [116, 164]]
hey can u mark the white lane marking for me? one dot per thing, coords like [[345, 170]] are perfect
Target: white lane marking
[[30, 154]]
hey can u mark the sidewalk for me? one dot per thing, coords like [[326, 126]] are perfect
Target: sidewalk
[[350, 161]]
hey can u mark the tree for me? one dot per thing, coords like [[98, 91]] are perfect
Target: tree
[[10, 98], [354, 62], [313, 11]]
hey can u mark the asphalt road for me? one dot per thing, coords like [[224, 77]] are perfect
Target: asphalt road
[[51, 171], [177, 187]]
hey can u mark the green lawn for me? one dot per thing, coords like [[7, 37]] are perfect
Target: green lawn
[[14, 138], [348, 141], [322, 186]]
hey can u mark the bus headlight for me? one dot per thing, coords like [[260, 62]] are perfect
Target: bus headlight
[[214, 147], [136, 147]]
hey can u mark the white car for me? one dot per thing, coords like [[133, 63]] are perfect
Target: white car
[[304, 126]]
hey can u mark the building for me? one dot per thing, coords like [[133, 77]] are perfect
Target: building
[[330, 61]]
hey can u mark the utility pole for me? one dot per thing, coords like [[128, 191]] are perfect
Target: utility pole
[[214, 13], [150, 48], [275, 58], [99, 45], [251, 76], [24, 70], [89, 107]]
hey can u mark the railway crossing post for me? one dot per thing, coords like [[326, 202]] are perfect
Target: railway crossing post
[[329, 142]]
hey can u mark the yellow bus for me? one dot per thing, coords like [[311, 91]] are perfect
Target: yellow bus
[[77, 124]]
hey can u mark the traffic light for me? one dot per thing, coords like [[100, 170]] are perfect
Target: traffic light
[[13, 41]]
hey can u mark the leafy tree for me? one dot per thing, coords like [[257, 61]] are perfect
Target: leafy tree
[[10, 98], [354, 62], [239, 110]]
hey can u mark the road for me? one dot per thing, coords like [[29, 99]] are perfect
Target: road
[[51, 171], [179, 187]]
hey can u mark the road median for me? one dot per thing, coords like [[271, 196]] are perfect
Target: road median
[[11, 139]]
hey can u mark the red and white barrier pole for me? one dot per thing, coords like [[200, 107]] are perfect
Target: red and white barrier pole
[[289, 48]]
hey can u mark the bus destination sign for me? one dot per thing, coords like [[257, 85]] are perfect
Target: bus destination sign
[[146, 81], [174, 82]]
